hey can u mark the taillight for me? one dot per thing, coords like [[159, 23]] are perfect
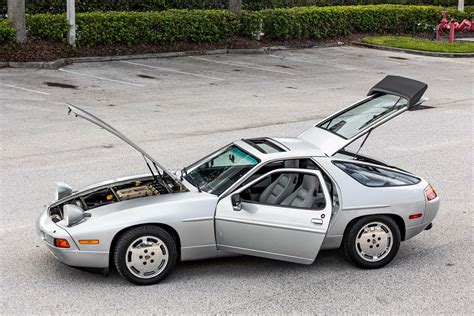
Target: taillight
[[61, 243], [430, 193]]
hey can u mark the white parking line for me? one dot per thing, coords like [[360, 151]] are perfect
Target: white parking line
[[171, 70], [243, 65], [25, 89], [324, 63], [100, 78]]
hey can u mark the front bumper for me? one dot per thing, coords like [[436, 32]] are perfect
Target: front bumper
[[48, 231]]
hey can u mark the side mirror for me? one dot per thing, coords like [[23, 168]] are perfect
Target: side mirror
[[236, 202]]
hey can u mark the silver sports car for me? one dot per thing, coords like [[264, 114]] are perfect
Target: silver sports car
[[278, 198]]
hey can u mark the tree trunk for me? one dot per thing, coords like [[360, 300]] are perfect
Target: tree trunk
[[235, 6], [16, 14]]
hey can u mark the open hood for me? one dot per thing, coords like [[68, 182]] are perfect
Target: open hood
[[386, 100], [97, 121]]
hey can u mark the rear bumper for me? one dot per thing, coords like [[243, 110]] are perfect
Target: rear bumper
[[48, 231], [413, 231]]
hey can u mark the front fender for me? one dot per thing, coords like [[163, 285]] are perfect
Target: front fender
[[190, 214]]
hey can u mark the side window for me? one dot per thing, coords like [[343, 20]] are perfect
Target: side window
[[280, 164], [374, 176], [287, 189]]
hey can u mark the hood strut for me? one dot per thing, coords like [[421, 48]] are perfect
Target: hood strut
[[362, 145], [158, 180]]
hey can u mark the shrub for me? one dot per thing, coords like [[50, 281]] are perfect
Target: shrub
[[59, 6], [51, 27], [102, 28], [105, 28], [155, 27], [252, 24], [7, 32], [324, 22]]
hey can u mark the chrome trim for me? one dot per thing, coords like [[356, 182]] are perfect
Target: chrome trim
[[201, 246], [369, 207], [197, 219]]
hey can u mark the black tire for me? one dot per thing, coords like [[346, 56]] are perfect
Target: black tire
[[351, 250], [131, 235]]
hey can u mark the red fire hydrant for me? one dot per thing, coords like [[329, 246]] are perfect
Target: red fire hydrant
[[453, 26]]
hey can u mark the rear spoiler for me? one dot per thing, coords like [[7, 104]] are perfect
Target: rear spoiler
[[410, 89]]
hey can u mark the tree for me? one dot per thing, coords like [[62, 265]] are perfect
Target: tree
[[16, 14], [235, 6]]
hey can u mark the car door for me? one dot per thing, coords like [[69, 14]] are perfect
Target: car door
[[285, 230], [387, 99]]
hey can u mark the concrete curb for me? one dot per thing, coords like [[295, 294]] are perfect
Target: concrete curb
[[36, 64], [416, 52], [67, 61]]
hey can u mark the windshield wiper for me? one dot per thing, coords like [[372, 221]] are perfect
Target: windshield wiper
[[376, 117]]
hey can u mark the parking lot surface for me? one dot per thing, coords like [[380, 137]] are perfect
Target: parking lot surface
[[180, 109]]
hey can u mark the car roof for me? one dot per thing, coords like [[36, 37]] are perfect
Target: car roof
[[292, 147]]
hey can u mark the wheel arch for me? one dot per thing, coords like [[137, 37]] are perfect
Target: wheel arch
[[169, 229], [397, 218]]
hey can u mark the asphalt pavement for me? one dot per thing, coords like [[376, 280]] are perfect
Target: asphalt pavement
[[180, 109]]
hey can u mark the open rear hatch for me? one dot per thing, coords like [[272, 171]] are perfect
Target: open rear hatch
[[386, 100]]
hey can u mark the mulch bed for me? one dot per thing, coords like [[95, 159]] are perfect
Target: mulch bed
[[40, 50]]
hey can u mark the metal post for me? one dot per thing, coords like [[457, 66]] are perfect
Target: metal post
[[461, 5], [71, 18], [16, 14]]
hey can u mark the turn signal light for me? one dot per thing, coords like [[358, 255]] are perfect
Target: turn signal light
[[89, 242], [61, 243], [430, 193]]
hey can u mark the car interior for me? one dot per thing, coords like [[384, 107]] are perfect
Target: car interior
[[287, 189]]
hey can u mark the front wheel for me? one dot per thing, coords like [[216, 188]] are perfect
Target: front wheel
[[372, 242], [145, 255]]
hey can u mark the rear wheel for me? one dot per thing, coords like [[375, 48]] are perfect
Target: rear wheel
[[372, 242], [145, 255]]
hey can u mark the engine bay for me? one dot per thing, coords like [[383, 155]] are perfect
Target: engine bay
[[113, 193]]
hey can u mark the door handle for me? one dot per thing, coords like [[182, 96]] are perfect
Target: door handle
[[317, 221]]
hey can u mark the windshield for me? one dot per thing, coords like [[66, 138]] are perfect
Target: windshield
[[353, 121], [220, 171]]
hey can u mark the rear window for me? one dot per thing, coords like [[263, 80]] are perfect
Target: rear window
[[351, 122], [374, 176]]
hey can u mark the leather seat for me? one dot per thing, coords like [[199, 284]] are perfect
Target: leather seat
[[304, 195], [279, 189]]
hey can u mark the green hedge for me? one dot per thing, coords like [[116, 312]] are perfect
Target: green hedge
[[102, 28], [324, 22], [59, 6], [273, 4], [7, 32]]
